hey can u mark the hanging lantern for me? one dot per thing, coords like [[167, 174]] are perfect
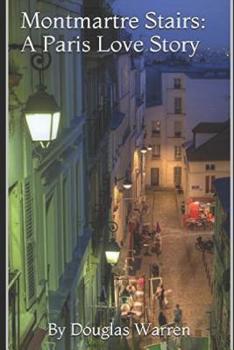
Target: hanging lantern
[[127, 184], [42, 115], [112, 252]]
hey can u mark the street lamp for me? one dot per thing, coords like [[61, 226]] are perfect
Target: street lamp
[[112, 252], [127, 183], [41, 111], [42, 115], [143, 150], [149, 147]]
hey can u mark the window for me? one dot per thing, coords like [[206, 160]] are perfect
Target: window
[[178, 152], [177, 83], [195, 187], [178, 129], [156, 128], [156, 152], [210, 166], [178, 105], [28, 224], [177, 176], [209, 184]]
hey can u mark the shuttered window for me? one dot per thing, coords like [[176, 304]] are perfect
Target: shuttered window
[[29, 256]]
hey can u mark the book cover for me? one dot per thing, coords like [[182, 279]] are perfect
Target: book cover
[[119, 175]]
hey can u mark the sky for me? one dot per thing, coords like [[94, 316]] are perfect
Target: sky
[[216, 12]]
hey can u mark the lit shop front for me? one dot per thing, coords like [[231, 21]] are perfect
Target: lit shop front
[[200, 214]]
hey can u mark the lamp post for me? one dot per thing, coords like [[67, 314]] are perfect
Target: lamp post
[[41, 111]]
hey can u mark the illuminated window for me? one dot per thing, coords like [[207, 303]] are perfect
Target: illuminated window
[[156, 128]]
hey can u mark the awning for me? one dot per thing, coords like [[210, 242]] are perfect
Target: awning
[[37, 339], [202, 199]]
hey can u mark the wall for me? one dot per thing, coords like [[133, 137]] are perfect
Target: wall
[[197, 174]]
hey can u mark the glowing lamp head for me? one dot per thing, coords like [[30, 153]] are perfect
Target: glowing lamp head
[[42, 115], [112, 253], [127, 184], [143, 149], [149, 148]]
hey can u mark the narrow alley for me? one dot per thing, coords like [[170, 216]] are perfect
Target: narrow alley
[[181, 267]]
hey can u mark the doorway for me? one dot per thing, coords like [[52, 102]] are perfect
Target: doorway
[[177, 175], [154, 176]]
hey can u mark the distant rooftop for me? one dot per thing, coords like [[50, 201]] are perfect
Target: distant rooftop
[[216, 148], [209, 127]]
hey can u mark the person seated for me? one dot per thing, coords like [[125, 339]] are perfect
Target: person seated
[[139, 296], [131, 289], [124, 310], [137, 309], [140, 283]]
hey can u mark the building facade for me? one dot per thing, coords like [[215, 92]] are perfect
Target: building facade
[[165, 125], [48, 235], [172, 87], [207, 159], [220, 316]]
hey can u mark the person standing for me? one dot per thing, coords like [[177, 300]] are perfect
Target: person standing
[[155, 270], [158, 228], [162, 319], [161, 297], [177, 314]]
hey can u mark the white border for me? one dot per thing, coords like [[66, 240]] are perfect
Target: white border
[[231, 171], [6, 164]]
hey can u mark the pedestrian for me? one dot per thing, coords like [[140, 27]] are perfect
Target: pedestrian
[[177, 314], [155, 270], [161, 297], [162, 319], [182, 208], [158, 228]]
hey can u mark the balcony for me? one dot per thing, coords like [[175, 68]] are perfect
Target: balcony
[[156, 156], [178, 134], [156, 133]]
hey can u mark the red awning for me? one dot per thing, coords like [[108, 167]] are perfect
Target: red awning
[[202, 199], [36, 340]]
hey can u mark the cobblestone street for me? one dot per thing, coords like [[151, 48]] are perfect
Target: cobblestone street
[[181, 266]]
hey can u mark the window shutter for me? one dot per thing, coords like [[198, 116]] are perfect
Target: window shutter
[[29, 244]]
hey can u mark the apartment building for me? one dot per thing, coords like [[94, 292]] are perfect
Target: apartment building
[[171, 113], [48, 238]]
